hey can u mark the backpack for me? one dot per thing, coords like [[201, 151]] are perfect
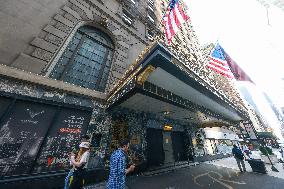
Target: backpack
[[239, 154]]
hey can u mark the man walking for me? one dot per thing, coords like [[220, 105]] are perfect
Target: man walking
[[118, 169], [239, 156]]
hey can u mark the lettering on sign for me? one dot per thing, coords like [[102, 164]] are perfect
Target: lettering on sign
[[70, 130], [33, 114], [73, 121]]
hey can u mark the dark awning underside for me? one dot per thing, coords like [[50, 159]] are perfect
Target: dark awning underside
[[158, 85]]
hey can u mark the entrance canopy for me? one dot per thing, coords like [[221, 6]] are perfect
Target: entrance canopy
[[160, 84]]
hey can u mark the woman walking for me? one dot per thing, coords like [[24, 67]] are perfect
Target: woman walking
[[80, 163]]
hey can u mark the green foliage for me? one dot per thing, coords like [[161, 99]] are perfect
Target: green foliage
[[265, 150]]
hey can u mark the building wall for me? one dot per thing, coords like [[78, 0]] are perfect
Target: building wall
[[34, 137], [101, 122], [33, 37], [139, 122], [36, 33], [21, 22]]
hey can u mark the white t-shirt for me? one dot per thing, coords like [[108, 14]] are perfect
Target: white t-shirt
[[72, 157], [85, 158]]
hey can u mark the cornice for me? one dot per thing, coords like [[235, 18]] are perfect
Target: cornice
[[29, 77]]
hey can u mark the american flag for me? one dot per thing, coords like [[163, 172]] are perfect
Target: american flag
[[173, 19], [238, 72], [218, 62]]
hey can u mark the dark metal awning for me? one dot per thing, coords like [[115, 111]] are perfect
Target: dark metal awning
[[157, 84], [267, 135]]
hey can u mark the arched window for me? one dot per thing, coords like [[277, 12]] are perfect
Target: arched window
[[87, 59]]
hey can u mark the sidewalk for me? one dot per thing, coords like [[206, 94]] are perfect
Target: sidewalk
[[154, 171], [230, 162], [101, 185]]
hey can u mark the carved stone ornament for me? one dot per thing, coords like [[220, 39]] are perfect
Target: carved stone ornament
[[145, 74]]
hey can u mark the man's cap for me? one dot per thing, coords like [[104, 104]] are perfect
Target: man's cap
[[84, 145]]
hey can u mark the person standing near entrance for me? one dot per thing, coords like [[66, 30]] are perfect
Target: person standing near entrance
[[85, 138], [239, 156], [80, 163], [118, 169]]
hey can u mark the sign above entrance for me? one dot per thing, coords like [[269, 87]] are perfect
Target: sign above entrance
[[168, 128]]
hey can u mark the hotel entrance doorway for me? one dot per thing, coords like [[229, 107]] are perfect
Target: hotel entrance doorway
[[168, 147]]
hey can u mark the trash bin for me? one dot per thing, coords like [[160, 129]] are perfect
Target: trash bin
[[257, 165]]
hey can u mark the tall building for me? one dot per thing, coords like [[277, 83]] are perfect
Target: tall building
[[277, 3], [278, 113], [281, 94], [273, 106], [102, 68], [268, 114]]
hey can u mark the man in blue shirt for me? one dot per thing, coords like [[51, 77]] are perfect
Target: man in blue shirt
[[239, 156], [118, 169]]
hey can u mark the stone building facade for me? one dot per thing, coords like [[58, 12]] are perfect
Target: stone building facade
[[35, 37], [64, 66]]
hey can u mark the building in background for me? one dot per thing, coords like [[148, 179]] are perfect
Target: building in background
[[277, 3], [282, 87], [102, 67], [276, 110], [217, 141], [271, 119], [263, 117]]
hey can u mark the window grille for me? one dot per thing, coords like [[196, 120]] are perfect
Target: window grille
[[151, 3], [150, 34], [151, 18], [87, 59], [127, 18], [133, 1]]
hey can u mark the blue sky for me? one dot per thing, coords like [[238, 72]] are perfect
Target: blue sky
[[241, 27]]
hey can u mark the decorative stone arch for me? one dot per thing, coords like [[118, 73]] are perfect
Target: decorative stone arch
[[95, 24], [48, 46]]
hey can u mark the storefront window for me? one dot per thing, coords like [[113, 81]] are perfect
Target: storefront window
[[37, 137], [62, 138], [21, 135]]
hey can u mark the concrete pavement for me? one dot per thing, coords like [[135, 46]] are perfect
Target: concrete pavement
[[203, 176], [231, 163], [207, 176]]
